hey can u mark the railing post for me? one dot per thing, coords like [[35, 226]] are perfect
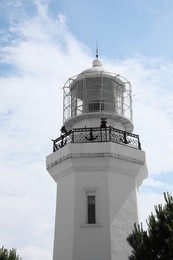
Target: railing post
[[139, 144], [72, 138], [106, 134], [109, 133], [54, 145]]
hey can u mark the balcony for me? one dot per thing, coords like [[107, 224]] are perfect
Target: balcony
[[97, 135]]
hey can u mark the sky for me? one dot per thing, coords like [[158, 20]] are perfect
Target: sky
[[42, 44]]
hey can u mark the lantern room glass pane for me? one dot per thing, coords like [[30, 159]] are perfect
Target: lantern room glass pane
[[97, 93], [93, 95], [77, 99]]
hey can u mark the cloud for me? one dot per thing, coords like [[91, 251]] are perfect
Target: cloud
[[44, 54], [34, 253], [147, 201]]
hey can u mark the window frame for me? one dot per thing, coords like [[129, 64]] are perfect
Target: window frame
[[92, 190], [91, 208]]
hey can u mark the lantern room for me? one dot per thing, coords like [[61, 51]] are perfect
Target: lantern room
[[95, 93]]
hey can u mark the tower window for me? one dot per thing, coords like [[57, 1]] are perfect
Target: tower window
[[91, 207]]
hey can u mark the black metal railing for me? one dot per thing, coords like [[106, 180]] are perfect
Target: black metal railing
[[96, 135]]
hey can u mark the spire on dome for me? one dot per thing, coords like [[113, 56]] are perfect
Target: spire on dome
[[96, 62], [97, 50]]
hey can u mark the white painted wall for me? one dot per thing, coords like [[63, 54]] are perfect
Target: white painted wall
[[64, 228], [111, 169], [92, 241], [95, 122]]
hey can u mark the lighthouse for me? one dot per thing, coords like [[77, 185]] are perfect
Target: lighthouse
[[98, 165]]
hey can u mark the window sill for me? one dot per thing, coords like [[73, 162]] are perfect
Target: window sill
[[92, 225]]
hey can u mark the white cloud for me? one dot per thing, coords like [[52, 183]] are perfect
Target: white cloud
[[45, 54], [35, 253], [42, 6], [152, 183], [147, 201]]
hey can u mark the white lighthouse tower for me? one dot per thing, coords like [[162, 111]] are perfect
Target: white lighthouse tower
[[98, 165]]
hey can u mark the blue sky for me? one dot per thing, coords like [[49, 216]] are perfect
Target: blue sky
[[42, 44], [123, 28]]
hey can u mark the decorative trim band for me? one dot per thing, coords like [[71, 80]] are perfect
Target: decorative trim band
[[91, 155]]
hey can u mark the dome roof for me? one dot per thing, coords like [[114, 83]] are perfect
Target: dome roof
[[96, 67]]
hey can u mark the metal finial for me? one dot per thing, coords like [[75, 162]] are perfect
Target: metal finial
[[97, 50]]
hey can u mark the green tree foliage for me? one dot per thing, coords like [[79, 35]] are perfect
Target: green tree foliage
[[8, 254], [157, 241]]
